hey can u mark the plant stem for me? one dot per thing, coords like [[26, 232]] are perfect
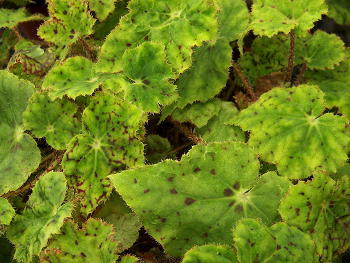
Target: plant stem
[[291, 57], [186, 131], [245, 81]]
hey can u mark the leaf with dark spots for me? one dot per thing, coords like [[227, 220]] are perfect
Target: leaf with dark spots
[[194, 201]]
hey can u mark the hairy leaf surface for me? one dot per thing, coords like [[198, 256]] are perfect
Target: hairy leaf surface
[[108, 142], [42, 217], [288, 128], [321, 207], [51, 119], [94, 243], [271, 17], [201, 197]]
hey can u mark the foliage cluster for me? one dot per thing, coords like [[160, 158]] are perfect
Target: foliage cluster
[[219, 128]]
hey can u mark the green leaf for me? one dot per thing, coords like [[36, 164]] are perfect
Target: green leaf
[[102, 8], [150, 85], [108, 142], [17, 147], [210, 254], [267, 55], [93, 243], [6, 212], [255, 242], [199, 199], [69, 21], [51, 119], [42, 217], [211, 62], [321, 207], [15, 94], [182, 25], [198, 113], [75, 77], [11, 17], [339, 11], [288, 128], [335, 84], [270, 17], [320, 50], [157, 148], [219, 129]]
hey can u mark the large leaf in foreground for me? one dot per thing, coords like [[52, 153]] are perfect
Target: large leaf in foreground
[[91, 244], [288, 128], [108, 142], [321, 207], [42, 217], [199, 199], [271, 17]]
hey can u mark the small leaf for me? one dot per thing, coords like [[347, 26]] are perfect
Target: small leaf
[[6, 212], [202, 196], [218, 128], [182, 25], [320, 50], [335, 84], [157, 148], [198, 113], [69, 21], [339, 10], [150, 85], [42, 217], [271, 17], [255, 242], [75, 77], [289, 129], [93, 243], [210, 254], [11, 17], [51, 119], [108, 142], [321, 207]]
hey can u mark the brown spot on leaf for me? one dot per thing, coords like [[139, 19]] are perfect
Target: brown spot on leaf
[[236, 186], [228, 192], [196, 170], [238, 208], [189, 201], [146, 191], [173, 191]]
